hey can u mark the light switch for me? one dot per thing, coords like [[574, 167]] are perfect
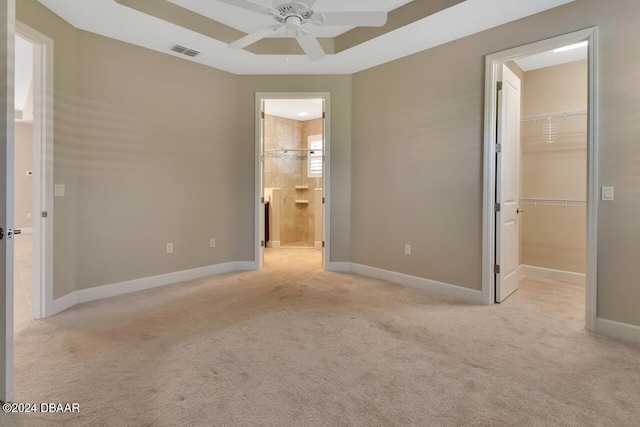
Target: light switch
[[607, 194], [59, 190]]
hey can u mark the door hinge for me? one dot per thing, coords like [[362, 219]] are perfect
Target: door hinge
[[323, 200], [324, 115], [45, 214], [497, 207], [323, 243], [498, 148], [499, 85], [262, 243], [496, 269], [262, 114], [261, 199], [262, 159]]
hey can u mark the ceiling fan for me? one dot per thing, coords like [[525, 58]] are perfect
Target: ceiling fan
[[294, 16]]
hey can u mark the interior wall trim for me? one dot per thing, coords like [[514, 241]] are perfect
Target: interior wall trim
[[129, 286], [458, 292], [550, 273], [618, 330], [339, 267]]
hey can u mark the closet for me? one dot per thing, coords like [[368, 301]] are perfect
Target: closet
[[554, 172]]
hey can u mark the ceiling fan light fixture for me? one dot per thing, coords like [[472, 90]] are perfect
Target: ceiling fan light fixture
[[293, 23], [294, 15]]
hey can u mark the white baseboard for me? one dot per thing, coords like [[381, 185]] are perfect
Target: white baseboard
[[458, 292], [339, 267], [115, 289], [549, 273], [618, 330], [275, 244], [59, 305], [122, 288]]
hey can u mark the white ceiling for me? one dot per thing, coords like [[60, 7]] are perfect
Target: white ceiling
[[250, 22], [110, 19], [24, 72], [550, 58], [290, 108]]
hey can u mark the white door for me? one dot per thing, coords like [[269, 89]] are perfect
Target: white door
[[7, 47], [508, 185]]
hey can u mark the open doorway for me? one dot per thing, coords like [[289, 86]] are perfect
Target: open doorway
[[292, 180], [33, 177], [23, 283], [540, 179]]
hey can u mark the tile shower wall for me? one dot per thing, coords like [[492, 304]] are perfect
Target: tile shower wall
[[288, 170]]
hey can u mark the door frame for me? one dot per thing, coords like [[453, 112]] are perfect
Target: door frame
[[7, 15], [43, 169], [326, 178], [493, 61]]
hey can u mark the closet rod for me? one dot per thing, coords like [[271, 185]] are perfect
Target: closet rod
[[271, 150], [552, 202], [563, 114]]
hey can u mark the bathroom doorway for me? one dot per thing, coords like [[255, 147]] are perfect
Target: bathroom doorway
[[292, 173]]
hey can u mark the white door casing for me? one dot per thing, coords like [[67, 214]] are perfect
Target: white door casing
[[508, 185], [7, 47], [259, 225], [43, 169], [324, 177], [262, 237]]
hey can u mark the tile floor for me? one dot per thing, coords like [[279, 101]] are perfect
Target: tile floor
[[23, 282]]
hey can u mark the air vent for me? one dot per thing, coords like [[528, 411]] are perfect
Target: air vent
[[185, 50]]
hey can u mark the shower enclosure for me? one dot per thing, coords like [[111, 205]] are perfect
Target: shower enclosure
[[293, 182]]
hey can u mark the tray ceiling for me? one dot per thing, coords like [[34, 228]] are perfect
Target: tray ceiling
[[208, 26]]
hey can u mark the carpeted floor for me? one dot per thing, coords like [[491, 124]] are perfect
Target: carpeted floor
[[295, 346]]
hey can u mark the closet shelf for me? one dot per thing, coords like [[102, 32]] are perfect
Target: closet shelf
[[552, 202], [302, 187]]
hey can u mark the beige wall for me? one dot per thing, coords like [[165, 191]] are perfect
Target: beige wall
[[417, 137], [147, 146], [555, 236], [155, 149], [23, 183]]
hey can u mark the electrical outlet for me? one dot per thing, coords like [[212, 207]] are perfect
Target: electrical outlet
[[169, 248], [212, 242], [407, 249]]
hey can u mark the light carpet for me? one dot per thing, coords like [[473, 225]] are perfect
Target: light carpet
[[292, 345]]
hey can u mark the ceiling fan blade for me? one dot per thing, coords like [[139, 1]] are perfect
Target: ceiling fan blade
[[309, 3], [250, 39], [251, 5], [311, 46], [351, 19]]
